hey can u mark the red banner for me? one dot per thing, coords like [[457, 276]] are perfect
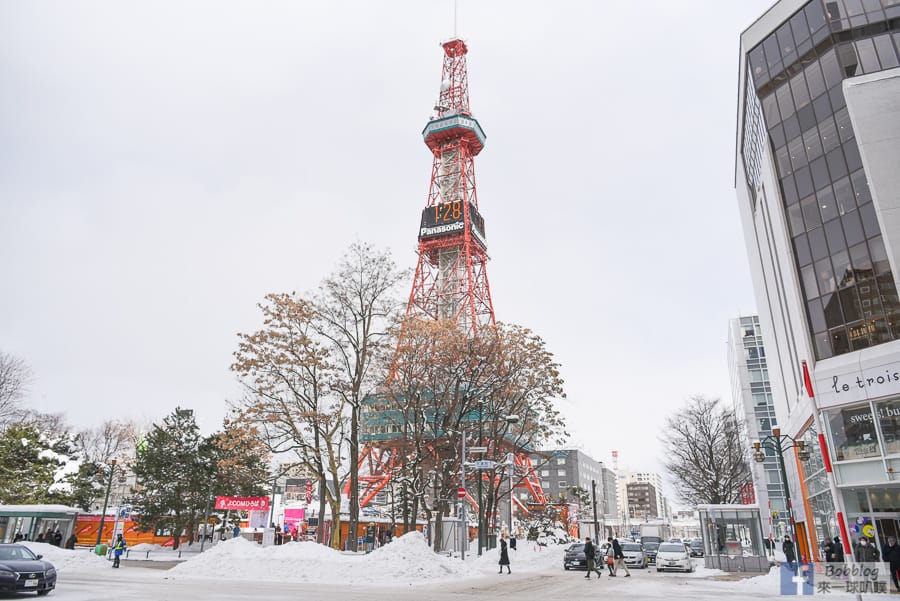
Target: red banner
[[242, 503]]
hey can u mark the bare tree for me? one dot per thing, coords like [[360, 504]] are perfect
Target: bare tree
[[286, 370], [706, 457], [356, 306], [15, 376], [111, 439]]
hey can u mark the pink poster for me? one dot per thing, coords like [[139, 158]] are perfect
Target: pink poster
[[293, 517]]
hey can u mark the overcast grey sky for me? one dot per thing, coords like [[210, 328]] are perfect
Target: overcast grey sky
[[164, 165]]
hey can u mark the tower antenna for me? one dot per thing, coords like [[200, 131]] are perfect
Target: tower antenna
[[455, 11]]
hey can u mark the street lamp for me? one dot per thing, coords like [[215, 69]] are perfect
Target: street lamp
[[779, 443], [112, 470]]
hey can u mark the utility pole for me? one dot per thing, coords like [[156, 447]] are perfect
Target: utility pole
[[594, 503]]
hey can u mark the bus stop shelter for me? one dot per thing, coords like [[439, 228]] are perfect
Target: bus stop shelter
[[31, 520], [732, 538]]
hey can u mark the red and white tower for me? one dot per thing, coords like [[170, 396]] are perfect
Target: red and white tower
[[451, 280]]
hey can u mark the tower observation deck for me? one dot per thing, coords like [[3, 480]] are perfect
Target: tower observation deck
[[450, 281]]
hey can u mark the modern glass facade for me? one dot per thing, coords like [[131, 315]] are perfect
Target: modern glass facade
[[849, 291], [752, 397]]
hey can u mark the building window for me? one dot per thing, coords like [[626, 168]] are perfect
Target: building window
[[545, 485], [545, 473], [561, 473], [853, 432], [560, 461], [563, 485]]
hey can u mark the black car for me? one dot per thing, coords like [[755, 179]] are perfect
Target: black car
[[574, 558], [21, 571], [650, 551], [696, 548]]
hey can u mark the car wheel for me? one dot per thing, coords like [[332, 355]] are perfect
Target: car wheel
[[43, 593], [658, 570], [566, 567], [691, 569]]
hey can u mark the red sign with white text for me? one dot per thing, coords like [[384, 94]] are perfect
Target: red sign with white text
[[242, 503]]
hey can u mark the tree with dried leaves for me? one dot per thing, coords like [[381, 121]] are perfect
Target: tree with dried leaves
[[356, 306], [497, 390], [705, 456], [289, 378], [15, 376]]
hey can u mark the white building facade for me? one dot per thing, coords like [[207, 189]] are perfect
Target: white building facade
[[816, 175], [751, 394]]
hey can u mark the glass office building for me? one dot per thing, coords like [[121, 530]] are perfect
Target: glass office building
[[818, 150]]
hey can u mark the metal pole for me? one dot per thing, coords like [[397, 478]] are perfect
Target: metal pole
[[480, 510], [594, 503], [462, 502], [777, 438], [112, 469], [206, 516], [512, 473]]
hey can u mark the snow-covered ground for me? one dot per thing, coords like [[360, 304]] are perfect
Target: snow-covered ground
[[404, 569]]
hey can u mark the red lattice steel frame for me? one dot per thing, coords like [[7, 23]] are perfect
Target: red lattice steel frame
[[450, 280]]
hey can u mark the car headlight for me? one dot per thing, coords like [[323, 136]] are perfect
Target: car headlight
[[7, 575], [51, 572]]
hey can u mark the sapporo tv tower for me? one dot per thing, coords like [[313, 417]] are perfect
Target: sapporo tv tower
[[450, 280]]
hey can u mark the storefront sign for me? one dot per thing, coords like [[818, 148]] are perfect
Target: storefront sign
[[242, 503], [858, 385]]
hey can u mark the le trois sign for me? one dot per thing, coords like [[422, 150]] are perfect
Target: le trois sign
[[858, 385], [242, 503]]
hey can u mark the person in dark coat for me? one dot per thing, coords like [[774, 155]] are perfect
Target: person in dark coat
[[828, 550], [890, 553], [512, 542], [787, 547], [619, 557], [504, 557], [70, 542], [57, 538], [590, 557], [838, 549], [865, 551]]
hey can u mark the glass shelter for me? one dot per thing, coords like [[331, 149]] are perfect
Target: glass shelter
[[732, 538]]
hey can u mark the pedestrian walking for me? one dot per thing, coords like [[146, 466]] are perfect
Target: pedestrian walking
[[504, 556], [787, 547], [512, 542], [838, 549], [610, 559], [118, 549], [890, 554], [236, 531], [618, 556], [57, 538], [866, 552], [70, 542], [590, 556]]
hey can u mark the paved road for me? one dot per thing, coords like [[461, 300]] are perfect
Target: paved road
[[137, 584]]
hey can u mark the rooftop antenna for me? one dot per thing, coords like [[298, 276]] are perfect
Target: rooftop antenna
[[455, 11]]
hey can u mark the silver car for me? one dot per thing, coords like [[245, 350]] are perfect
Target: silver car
[[634, 555]]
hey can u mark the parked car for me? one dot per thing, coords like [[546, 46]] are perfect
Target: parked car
[[650, 551], [21, 571], [634, 555], [673, 556], [697, 548], [574, 558]]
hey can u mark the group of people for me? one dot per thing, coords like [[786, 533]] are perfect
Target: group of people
[[615, 559], [863, 552]]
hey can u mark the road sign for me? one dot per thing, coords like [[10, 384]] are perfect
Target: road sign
[[485, 465], [476, 450], [461, 493]]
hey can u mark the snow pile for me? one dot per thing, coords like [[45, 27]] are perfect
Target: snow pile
[[66, 559], [528, 557], [407, 559]]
